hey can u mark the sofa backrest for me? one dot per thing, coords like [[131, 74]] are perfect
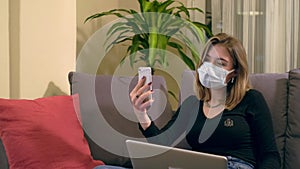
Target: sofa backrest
[[292, 153], [274, 88], [108, 96]]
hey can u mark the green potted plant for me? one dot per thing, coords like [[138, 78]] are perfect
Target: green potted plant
[[155, 27]]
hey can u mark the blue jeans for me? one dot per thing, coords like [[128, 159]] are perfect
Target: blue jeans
[[233, 163], [236, 163], [109, 167]]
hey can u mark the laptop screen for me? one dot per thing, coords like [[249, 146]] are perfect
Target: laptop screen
[[145, 155]]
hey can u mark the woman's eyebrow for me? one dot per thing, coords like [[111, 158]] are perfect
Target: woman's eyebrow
[[218, 58]]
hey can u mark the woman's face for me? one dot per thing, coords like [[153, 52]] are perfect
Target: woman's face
[[219, 56]]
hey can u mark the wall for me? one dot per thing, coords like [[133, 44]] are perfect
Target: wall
[[85, 30], [4, 50], [38, 43], [42, 38], [83, 10], [47, 44]]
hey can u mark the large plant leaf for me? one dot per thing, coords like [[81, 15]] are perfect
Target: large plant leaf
[[118, 40], [153, 37], [195, 9], [190, 46], [115, 26], [146, 6], [162, 43], [162, 8], [111, 12], [133, 50], [184, 10], [182, 55], [204, 27]]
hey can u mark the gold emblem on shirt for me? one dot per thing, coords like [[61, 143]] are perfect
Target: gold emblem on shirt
[[228, 122]]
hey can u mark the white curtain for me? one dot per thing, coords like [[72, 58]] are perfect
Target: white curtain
[[269, 30], [283, 35]]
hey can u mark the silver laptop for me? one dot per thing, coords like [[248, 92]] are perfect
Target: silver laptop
[[144, 155]]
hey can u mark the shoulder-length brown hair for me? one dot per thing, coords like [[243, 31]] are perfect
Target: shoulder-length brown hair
[[237, 88]]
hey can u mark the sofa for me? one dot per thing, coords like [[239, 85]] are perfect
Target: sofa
[[101, 93]]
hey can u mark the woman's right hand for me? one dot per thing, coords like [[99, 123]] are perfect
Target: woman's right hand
[[140, 94], [139, 99]]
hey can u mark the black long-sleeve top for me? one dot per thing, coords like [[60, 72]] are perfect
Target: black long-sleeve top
[[245, 132]]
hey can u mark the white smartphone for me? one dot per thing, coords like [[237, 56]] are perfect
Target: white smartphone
[[146, 71]]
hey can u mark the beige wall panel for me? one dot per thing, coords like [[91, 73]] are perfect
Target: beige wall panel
[[47, 45], [84, 9], [4, 50]]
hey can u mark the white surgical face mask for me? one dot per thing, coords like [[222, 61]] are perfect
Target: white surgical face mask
[[212, 76]]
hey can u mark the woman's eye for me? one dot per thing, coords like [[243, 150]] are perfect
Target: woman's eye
[[219, 63]]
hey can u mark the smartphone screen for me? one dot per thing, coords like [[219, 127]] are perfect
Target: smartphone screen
[[146, 71]]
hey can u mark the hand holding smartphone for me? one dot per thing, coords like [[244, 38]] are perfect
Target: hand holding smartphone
[[145, 72]]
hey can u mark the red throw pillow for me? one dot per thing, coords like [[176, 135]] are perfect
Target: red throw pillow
[[44, 133]]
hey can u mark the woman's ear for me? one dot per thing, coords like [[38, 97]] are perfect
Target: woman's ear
[[231, 76], [234, 73]]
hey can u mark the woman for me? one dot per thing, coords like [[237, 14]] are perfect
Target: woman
[[230, 120]]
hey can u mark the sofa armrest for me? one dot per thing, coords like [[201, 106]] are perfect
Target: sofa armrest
[[292, 154], [3, 157]]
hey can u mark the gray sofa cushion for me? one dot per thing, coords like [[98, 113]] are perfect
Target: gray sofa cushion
[[110, 95], [274, 88], [292, 156]]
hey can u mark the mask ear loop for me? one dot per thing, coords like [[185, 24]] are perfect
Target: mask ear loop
[[232, 79]]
